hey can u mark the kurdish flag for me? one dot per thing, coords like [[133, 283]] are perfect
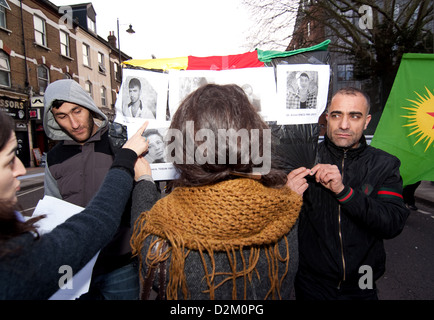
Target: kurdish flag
[[252, 59], [406, 127]]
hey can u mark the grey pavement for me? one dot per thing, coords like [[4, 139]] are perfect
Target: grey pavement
[[425, 193], [35, 177]]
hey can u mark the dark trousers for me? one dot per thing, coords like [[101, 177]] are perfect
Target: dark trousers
[[120, 284], [408, 193], [309, 287]]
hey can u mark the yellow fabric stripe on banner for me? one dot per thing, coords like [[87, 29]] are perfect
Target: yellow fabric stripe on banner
[[164, 64]]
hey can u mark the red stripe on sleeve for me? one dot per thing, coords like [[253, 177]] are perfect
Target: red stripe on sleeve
[[348, 196], [390, 193]]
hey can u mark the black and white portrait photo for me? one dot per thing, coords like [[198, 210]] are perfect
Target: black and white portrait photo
[[182, 83], [142, 96], [258, 83], [142, 99], [189, 84], [302, 90], [157, 146], [252, 95]]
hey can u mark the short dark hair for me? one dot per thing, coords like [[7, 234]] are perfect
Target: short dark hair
[[134, 82], [57, 103], [352, 92]]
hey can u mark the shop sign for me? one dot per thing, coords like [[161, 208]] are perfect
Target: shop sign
[[35, 114], [37, 101], [16, 108]]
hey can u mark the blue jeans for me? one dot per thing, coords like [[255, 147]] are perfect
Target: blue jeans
[[120, 284]]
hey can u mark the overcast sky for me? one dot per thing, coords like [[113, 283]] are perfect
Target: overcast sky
[[173, 28]]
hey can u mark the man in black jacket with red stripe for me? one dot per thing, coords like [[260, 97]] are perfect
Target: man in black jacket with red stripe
[[353, 202]]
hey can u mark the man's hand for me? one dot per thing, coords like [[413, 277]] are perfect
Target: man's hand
[[296, 180], [329, 176]]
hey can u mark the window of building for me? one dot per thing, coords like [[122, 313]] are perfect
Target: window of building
[[103, 96], [40, 31], [86, 55], [64, 43], [88, 87], [101, 66], [345, 72], [67, 76], [5, 69], [117, 70], [2, 17], [91, 25], [3, 6], [43, 78]]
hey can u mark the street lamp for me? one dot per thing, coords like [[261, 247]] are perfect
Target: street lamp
[[130, 31]]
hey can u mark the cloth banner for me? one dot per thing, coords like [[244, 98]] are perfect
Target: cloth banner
[[406, 127], [153, 89], [251, 59], [236, 61], [268, 56]]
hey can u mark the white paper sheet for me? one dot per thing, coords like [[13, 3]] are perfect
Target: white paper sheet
[[57, 211], [288, 81]]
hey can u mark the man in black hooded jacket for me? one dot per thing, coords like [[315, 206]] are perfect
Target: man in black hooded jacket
[[353, 202]]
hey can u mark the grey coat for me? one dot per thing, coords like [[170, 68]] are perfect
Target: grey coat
[[74, 172]]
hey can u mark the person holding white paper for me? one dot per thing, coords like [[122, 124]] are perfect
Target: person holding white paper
[[33, 266]]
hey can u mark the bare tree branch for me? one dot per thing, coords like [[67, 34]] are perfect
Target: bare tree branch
[[398, 26]]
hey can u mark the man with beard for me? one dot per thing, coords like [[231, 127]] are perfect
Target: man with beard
[[76, 168]]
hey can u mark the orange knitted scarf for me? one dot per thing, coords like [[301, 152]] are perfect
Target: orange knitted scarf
[[227, 216]]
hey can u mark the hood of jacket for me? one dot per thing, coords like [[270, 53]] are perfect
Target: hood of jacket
[[70, 91]]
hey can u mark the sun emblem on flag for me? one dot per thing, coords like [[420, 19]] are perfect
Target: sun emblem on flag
[[421, 118]]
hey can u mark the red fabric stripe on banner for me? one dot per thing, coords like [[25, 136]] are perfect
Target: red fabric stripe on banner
[[390, 193], [237, 61]]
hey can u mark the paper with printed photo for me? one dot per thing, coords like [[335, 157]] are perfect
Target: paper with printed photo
[[302, 91]]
